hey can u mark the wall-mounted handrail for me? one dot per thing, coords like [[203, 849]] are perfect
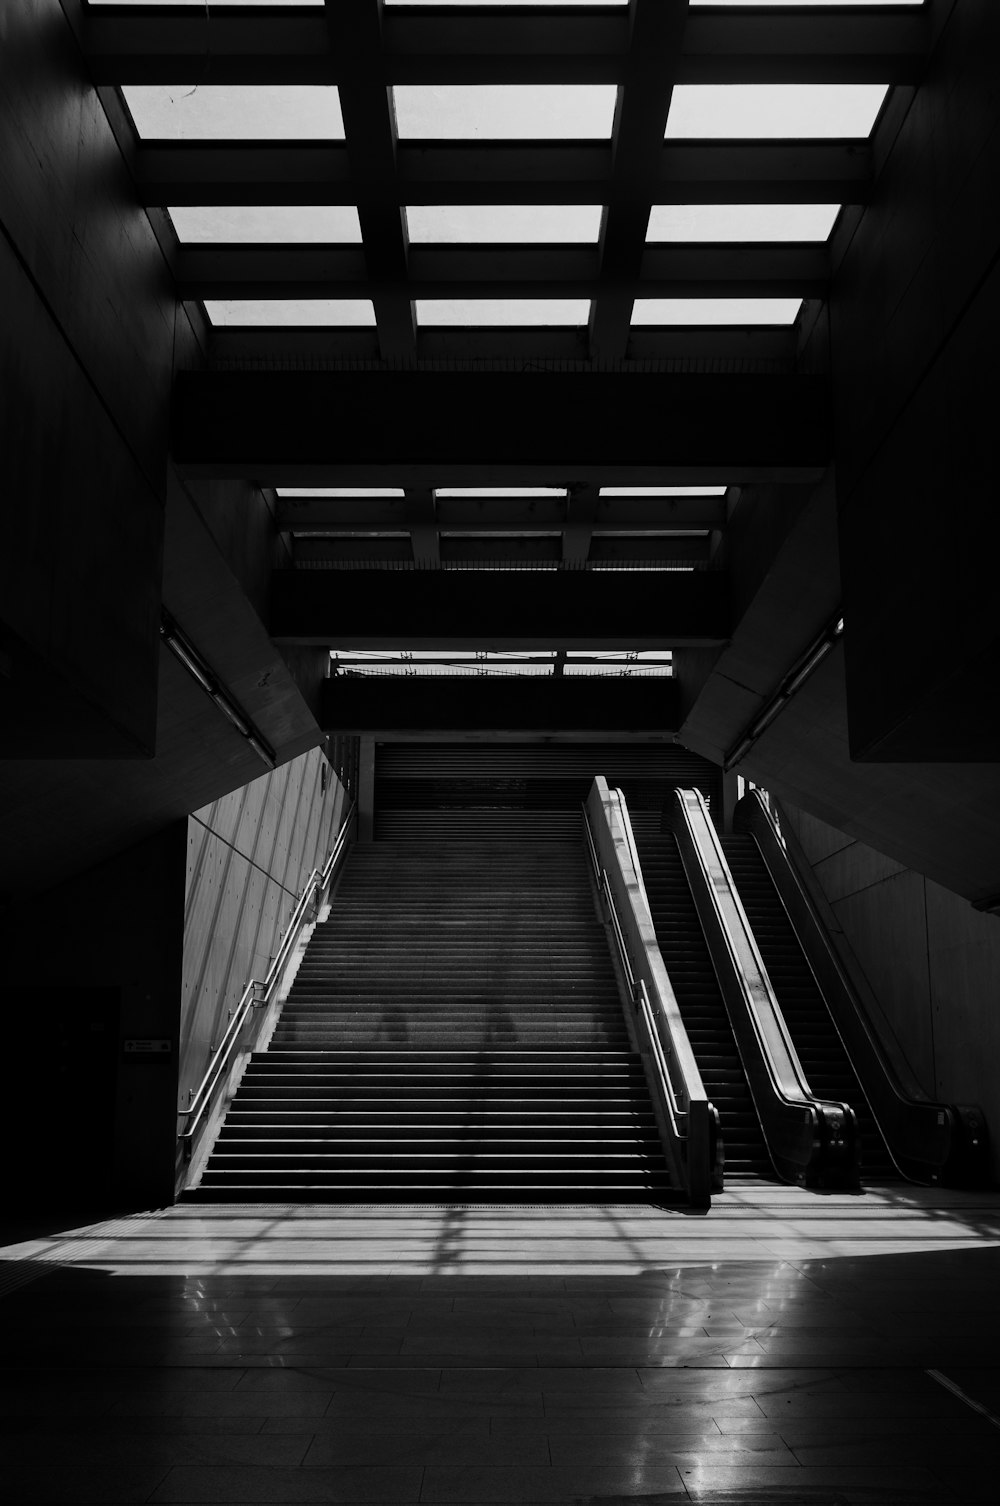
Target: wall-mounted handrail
[[689, 1123], [257, 994], [809, 1139], [928, 1140]]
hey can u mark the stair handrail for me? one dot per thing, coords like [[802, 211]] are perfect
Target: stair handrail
[[690, 1122], [809, 1139], [257, 993], [929, 1141]]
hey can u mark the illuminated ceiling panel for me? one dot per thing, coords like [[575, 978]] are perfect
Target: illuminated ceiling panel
[[504, 112], [341, 491], [663, 491], [498, 223], [768, 111], [235, 112], [500, 491], [294, 312], [741, 222], [257, 224], [724, 311], [511, 312]]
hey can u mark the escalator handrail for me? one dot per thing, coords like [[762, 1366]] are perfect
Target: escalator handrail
[[691, 1120], [808, 1138], [923, 1136]]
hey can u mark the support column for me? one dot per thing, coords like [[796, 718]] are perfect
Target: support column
[[730, 795], [366, 789]]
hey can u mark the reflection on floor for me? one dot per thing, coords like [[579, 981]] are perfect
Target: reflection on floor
[[788, 1347]]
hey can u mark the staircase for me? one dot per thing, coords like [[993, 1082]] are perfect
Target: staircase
[[692, 977], [825, 1062], [454, 1032]]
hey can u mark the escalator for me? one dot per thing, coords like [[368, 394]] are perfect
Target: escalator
[[847, 1048], [689, 965], [825, 1062]]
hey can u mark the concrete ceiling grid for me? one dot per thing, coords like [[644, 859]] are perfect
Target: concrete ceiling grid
[[645, 51]]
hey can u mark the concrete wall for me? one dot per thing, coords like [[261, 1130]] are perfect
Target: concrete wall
[[914, 311], [153, 944], [248, 857], [89, 966], [933, 962]]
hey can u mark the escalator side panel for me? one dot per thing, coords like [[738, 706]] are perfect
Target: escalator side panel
[[820, 1049], [692, 976]]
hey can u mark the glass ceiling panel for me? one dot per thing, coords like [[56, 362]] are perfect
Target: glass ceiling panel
[[520, 4], [802, 4], [518, 223], [741, 222], [239, 112], [511, 112], [500, 491], [662, 491], [201, 4], [290, 311], [619, 671], [747, 111], [502, 311], [340, 491], [715, 310], [276, 224]]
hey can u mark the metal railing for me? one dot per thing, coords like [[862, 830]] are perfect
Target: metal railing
[[692, 1142], [258, 993]]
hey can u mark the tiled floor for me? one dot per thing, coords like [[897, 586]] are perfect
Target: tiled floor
[[788, 1347]]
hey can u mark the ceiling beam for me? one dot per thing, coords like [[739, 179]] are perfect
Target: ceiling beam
[[438, 428], [282, 46], [369, 123], [482, 514], [766, 348], [499, 609], [532, 704], [690, 172], [644, 95], [518, 271]]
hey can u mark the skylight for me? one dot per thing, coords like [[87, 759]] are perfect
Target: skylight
[[340, 491], [520, 4], [290, 311], [144, 4], [502, 311], [662, 491], [741, 222], [242, 112], [512, 112], [730, 111], [456, 223], [715, 310], [257, 224], [776, 4], [500, 491]]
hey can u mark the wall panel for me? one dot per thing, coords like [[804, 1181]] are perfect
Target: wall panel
[[248, 857], [932, 960]]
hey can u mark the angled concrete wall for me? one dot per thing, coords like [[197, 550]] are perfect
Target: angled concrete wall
[[933, 962], [248, 856]]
